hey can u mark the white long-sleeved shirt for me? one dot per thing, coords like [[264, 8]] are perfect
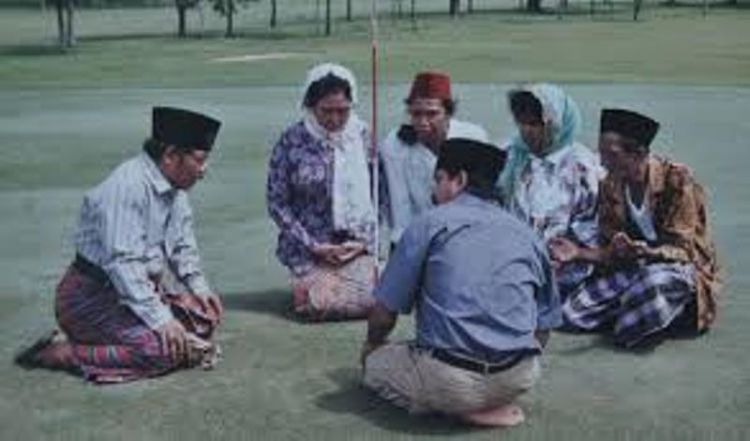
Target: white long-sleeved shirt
[[135, 225], [409, 173]]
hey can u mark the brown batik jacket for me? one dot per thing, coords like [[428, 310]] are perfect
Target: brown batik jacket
[[678, 206]]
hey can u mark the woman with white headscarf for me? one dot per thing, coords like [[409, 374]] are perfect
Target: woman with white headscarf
[[551, 181], [318, 194]]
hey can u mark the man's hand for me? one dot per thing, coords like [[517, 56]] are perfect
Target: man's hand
[[542, 336], [173, 338], [214, 303], [624, 248], [367, 349]]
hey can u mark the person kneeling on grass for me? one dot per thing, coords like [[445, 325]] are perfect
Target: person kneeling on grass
[[485, 297], [318, 194], [135, 303], [657, 271]]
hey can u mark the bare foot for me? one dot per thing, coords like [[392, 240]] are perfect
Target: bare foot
[[52, 351], [29, 358], [503, 416]]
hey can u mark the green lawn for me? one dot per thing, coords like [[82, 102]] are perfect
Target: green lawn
[[136, 48], [65, 121]]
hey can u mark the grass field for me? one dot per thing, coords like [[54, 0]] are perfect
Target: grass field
[[66, 120]]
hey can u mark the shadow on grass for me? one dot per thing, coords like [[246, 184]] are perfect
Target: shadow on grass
[[39, 50], [259, 35], [353, 398], [274, 302]]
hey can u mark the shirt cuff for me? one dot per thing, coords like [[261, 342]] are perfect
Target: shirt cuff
[[549, 321], [198, 285], [154, 315]]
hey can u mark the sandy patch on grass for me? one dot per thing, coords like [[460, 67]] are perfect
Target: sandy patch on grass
[[249, 58]]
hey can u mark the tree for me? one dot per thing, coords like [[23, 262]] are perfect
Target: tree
[[273, 13], [454, 6], [182, 7], [228, 8], [636, 9], [65, 12], [534, 5], [328, 17], [348, 10]]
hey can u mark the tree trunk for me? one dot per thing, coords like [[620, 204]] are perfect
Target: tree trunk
[[348, 10], [60, 23], [328, 17], [470, 6], [453, 6], [230, 19], [636, 9], [69, 34], [181, 13], [273, 13], [534, 6]]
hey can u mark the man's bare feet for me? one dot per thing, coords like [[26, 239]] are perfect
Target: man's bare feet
[[51, 351], [29, 358], [503, 416]]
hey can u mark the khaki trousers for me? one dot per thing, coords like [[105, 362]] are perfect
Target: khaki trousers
[[410, 378]]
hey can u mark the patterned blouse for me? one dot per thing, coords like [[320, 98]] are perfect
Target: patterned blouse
[[299, 197], [557, 196], [678, 206]]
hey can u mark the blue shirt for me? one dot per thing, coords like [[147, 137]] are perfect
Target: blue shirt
[[481, 280]]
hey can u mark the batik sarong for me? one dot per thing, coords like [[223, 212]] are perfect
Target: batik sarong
[[335, 293]]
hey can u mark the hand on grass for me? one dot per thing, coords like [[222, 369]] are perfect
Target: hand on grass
[[173, 337]]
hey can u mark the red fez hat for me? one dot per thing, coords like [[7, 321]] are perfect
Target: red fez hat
[[431, 85]]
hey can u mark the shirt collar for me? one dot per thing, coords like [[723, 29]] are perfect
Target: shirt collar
[[469, 198], [154, 175]]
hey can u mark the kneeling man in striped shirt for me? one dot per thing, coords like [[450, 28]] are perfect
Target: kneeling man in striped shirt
[[135, 303]]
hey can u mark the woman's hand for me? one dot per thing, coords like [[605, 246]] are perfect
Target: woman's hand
[[563, 250], [350, 250], [328, 252], [339, 254]]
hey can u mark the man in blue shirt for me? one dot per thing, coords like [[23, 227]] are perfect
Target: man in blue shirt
[[485, 300]]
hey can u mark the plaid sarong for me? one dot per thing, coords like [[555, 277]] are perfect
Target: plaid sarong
[[636, 302], [111, 344]]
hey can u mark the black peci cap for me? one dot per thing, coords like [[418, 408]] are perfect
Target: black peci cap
[[183, 129]]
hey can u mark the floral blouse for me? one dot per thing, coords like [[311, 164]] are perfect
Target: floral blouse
[[299, 198]]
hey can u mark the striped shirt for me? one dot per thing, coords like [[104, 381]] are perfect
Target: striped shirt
[[135, 226]]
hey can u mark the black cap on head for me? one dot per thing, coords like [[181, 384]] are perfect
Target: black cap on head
[[483, 162], [629, 124], [183, 129]]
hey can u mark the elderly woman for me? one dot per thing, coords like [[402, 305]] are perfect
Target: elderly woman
[[551, 180], [319, 195], [657, 269]]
